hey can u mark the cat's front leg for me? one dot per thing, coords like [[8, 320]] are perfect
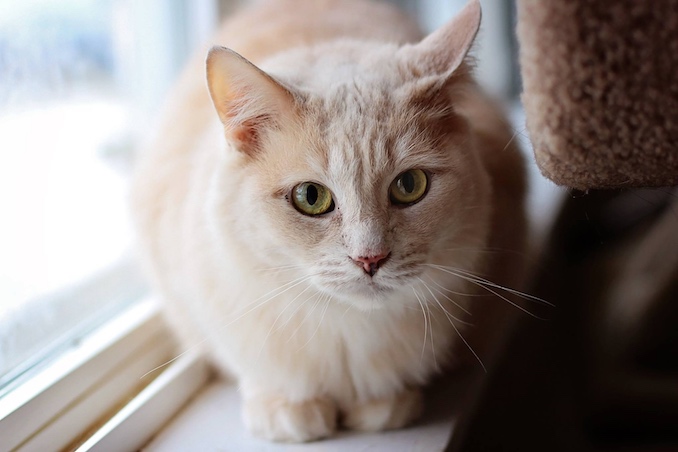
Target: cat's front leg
[[276, 418], [385, 413]]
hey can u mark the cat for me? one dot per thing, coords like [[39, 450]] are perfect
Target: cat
[[316, 222]]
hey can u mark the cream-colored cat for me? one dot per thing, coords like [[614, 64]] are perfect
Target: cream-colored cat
[[318, 234]]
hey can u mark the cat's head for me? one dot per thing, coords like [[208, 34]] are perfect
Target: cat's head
[[350, 162]]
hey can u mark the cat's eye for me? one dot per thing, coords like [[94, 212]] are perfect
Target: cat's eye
[[409, 187], [312, 199]]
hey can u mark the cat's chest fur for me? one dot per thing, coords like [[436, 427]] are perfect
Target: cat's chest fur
[[304, 342]]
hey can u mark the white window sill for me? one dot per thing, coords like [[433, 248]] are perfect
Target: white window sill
[[211, 421], [134, 424], [104, 386]]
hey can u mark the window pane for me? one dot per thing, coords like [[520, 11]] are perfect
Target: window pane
[[80, 81], [65, 142]]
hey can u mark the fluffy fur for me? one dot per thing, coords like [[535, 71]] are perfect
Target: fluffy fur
[[274, 296]]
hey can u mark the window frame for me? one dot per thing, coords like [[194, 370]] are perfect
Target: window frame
[[79, 394], [101, 381]]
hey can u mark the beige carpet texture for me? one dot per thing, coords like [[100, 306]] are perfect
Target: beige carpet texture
[[601, 90]]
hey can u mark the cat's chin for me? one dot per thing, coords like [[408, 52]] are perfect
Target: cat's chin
[[366, 297]]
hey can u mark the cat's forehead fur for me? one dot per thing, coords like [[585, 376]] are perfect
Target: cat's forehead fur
[[365, 114], [327, 66]]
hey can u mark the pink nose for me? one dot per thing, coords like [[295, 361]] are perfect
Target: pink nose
[[371, 263]]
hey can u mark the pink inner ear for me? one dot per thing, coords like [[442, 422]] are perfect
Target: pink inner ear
[[247, 99], [242, 130], [246, 135]]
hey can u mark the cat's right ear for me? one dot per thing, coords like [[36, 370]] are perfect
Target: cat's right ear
[[248, 101], [445, 51]]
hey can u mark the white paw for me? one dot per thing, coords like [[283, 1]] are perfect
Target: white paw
[[387, 413], [276, 419]]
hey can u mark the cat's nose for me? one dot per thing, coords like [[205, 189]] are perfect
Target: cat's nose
[[370, 264]]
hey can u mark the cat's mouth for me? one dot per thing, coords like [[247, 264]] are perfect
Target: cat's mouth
[[364, 288], [391, 284], [363, 292]]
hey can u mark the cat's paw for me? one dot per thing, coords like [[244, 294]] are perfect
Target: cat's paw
[[385, 414], [277, 419]]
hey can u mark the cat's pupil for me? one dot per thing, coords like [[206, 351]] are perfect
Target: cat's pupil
[[311, 195], [407, 182]]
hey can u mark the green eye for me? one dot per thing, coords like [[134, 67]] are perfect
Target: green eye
[[409, 187], [312, 199]]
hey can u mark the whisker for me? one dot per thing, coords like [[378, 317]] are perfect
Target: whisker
[[482, 284], [507, 289], [462, 294], [466, 311], [469, 347], [270, 331], [480, 361], [516, 132], [447, 314], [322, 316], [423, 347], [348, 308], [296, 283], [280, 268], [172, 360], [308, 314], [299, 306], [433, 348], [477, 279], [289, 283]]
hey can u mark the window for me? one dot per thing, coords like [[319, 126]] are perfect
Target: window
[[81, 81], [56, 121]]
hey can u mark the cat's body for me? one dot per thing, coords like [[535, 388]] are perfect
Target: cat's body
[[335, 315]]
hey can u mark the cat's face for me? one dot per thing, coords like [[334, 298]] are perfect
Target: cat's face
[[351, 169]]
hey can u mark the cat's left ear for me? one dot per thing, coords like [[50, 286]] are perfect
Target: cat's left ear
[[443, 52], [249, 102]]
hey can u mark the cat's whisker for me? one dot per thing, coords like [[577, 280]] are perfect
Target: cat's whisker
[[478, 279], [281, 268], [447, 313], [319, 299], [469, 347], [423, 312], [524, 295], [466, 311], [291, 302], [282, 286], [460, 335], [297, 309], [516, 132], [322, 316], [486, 285], [433, 348], [454, 292], [430, 327], [167, 363], [296, 283], [348, 308]]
